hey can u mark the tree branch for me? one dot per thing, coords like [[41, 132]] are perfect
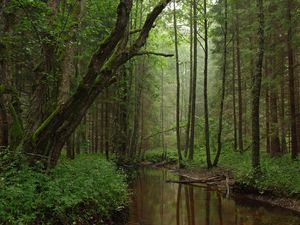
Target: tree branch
[[141, 40], [153, 53], [108, 46], [139, 30]]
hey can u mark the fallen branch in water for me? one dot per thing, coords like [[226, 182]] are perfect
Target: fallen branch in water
[[210, 180]]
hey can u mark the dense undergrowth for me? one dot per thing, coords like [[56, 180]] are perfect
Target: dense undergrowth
[[155, 155], [280, 175], [84, 191]]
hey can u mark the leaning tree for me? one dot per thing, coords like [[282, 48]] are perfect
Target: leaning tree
[[45, 142]]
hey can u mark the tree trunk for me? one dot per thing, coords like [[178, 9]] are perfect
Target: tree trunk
[[7, 100], [206, 113], [268, 143], [282, 111], [194, 86], [188, 126], [267, 109], [291, 73], [256, 89], [164, 155], [178, 88], [274, 139], [235, 146], [239, 76], [220, 128]]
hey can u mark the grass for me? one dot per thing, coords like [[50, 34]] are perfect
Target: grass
[[82, 191], [280, 175]]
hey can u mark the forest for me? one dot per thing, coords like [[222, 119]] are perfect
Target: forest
[[95, 94]]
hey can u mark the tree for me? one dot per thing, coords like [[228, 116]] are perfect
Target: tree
[[256, 90], [48, 139], [188, 126], [224, 73], [178, 87], [291, 75], [206, 113], [194, 84], [239, 74]]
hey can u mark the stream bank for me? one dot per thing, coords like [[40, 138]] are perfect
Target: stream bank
[[155, 201], [223, 180]]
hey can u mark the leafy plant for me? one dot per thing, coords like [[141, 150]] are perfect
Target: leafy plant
[[87, 189]]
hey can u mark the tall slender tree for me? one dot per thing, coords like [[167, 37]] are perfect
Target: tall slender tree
[[239, 77], [206, 111], [256, 89], [224, 74], [178, 86], [188, 126], [194, 86], [291, 73]]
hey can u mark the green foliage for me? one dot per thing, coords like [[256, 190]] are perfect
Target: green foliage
[[87, 189], [280, 176], [155, 155]]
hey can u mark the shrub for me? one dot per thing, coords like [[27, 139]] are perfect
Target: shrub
[[155, 155], [81, 191]]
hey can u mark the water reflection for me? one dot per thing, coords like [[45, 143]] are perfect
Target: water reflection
[[156, 202]]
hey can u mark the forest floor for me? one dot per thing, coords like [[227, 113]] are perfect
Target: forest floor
[[278, 185]]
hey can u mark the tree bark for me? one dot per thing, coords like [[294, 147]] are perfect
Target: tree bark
[[239, 76], [256, 90], [194, 86], [274, 139], [178, 88], [291, 73], [188, 126], [267, 109], [206, 112], [282, 106], [235, 145], [220, 128]]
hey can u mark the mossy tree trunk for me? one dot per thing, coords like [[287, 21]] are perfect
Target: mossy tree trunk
[[45, 142]]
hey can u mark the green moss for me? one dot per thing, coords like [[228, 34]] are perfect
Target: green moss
[[44, 124], [2, 89]]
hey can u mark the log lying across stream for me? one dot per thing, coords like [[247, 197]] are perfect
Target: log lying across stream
[[190, 180], [222, 181]]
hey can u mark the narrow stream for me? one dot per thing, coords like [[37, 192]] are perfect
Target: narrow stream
[[156, 202]]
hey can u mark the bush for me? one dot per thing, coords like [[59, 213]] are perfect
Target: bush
[[155, 155], [82, 191]]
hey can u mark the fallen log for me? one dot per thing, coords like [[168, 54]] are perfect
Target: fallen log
[[200, 180]]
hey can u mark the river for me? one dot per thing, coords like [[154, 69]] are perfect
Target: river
[[156, 202]]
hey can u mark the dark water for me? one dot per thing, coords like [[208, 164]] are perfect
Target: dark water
[[155, 202]]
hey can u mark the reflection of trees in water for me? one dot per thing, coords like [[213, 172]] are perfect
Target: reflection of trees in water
[[159, 203], [178, 205], [207, 207], [187, 200], [220, 211]]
